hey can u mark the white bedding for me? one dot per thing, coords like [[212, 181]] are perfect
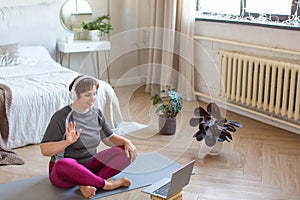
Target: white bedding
[[38, 91]]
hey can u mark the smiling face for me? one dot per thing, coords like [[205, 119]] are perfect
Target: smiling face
[[86, 91], [86, 99]]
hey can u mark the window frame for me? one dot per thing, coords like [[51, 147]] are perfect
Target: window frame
[[244, 16]]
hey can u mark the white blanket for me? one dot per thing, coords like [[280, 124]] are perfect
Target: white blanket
[[39, 90]]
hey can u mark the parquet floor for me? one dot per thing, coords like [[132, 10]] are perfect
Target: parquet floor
[[262, 162]]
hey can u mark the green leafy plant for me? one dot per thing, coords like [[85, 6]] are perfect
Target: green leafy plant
[[168, 102], [100, 24]]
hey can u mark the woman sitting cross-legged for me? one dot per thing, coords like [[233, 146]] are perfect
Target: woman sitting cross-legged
[[72, 138]]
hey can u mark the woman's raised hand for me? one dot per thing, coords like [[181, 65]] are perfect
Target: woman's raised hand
[[71, 134]]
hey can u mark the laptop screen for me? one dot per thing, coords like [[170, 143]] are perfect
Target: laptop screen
[[181, 178]]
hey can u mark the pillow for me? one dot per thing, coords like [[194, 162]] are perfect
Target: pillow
[[37, 53], [9, 55]]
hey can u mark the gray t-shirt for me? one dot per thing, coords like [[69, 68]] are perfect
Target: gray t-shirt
[[93, 125]]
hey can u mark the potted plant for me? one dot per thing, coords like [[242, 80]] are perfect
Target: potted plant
[[213, 128], [168, 104], [98, 28]]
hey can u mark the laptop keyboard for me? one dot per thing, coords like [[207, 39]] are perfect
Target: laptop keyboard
[[163, 190]]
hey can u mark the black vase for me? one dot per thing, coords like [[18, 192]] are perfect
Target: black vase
[[167, 126]]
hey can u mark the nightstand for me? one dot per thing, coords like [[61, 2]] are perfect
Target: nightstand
[[81, 46]]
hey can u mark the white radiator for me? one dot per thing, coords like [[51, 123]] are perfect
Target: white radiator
[[262, 84]]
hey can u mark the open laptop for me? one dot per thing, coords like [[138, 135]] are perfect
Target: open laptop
[[167, 187]]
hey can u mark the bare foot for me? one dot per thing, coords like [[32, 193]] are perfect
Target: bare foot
[[113, 184], [87, 191]]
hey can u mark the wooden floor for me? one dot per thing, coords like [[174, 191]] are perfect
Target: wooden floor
[[262, 162]]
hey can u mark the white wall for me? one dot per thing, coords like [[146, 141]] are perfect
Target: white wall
[[207, 57], [206, 52]]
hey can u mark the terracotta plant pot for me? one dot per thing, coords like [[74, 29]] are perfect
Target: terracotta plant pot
[[167, 126]]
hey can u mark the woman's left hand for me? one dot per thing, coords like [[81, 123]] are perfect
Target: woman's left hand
[[117, 140], [130, 150]]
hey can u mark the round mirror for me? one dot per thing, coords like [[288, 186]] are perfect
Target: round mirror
[[73, 13]]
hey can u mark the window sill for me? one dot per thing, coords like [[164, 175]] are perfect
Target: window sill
[[250, 23]]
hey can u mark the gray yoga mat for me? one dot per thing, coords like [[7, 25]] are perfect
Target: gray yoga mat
[[147, 169]]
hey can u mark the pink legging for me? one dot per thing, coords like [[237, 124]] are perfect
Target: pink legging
[[67, 172]]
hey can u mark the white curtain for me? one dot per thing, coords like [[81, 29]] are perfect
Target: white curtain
[[171, 53]]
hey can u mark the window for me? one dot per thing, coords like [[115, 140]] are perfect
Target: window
[[231, 7], [281, 7], [285, 13]]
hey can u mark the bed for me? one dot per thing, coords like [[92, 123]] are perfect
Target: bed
[[39, 87], [32, 84]]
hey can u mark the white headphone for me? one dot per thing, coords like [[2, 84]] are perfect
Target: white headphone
[[73, 94]]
